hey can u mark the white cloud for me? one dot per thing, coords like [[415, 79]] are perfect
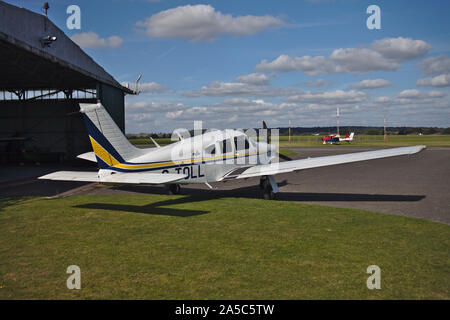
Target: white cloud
[[410, 93], [330, 97], [316, 83], [91, 40], [360, 60], [383, 55], [204, 23], [413, 93], [442, 80], [411, 96], [148, 107], [400, 49], [418, 108], [222, 89], [371, 84], [254, 78], [147, 87], [436, 65]]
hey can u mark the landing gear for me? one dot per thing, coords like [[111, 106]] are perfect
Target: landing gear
[[268, 194], [174, 189], [266, 186], [262, 182]]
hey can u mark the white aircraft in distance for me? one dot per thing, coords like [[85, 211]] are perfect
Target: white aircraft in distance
[[348, 137], [333, 139], [208, 157]]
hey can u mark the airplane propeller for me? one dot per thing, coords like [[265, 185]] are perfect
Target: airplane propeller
[[281, 156]]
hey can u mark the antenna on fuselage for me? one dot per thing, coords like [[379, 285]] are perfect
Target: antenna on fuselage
[[136, 90], [179, 135], [155, 143], [337, 117]]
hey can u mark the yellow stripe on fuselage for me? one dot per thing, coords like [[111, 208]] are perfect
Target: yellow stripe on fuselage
[[112, 162]]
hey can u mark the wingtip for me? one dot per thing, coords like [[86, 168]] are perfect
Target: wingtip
[[421, 147]]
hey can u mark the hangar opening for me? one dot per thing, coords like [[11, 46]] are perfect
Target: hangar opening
[[43, 77]]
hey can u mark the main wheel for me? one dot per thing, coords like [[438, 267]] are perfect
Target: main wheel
[[268, 193], [262, 183], [174, 189]]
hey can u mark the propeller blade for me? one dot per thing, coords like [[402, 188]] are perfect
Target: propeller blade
[[268, 132]]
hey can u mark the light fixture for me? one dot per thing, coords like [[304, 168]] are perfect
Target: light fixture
[[47, 40]]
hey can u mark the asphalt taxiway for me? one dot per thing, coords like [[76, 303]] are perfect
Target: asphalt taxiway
[[416, 185]]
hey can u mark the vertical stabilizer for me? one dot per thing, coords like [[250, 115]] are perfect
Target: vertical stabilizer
[[108, 142]]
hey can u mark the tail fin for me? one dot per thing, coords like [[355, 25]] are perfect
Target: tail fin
[[110, 145], [351, 135]]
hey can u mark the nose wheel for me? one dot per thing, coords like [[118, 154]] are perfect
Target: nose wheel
[[174, 189]]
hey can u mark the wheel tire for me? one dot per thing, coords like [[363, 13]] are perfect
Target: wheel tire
[[174, 189], [262, 183], [268, 195]]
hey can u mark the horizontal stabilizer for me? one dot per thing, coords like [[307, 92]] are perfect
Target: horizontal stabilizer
[[86, 176], [126, 178], [89, 156]]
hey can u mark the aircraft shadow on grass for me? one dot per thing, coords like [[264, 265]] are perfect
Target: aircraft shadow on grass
[[155, 208], [193, 195]]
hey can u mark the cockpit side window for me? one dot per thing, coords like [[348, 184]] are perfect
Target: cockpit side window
[[226, 145], [210, 149], [241, 143]]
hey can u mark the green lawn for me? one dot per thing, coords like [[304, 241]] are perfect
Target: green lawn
[[287, 152], [182, 247], [360, 141], [143, 141], [369, 141]]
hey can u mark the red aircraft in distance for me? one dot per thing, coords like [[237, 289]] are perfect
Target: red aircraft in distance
[[334, 138]]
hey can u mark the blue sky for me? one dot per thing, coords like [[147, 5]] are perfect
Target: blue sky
[[236, 63]]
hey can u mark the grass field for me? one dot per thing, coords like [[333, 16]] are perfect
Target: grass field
[[369, 141], [181, 247], [360, 141]]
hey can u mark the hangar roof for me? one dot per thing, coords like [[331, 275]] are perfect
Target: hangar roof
[[27, 64]]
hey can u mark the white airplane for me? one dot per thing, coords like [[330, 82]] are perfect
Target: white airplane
[[335, 138], [209, 157], [348, 138]]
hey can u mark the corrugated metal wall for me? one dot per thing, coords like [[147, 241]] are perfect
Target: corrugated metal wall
[[114, 101], [55, 125], [47, 124]]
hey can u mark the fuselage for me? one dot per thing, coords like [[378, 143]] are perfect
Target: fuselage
[[208, 157]]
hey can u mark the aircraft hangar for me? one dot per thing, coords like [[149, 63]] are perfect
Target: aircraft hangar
[[43, 77]]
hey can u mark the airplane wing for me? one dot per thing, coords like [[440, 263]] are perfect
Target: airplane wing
[[131, 178], [295, 165]]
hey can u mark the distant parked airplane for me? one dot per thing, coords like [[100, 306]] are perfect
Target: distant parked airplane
[[209, 157], [348, 137], [332, 139]]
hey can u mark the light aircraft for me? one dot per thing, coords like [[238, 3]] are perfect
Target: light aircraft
[[331, 139], [334, 138], [348, 137], [208, 157]]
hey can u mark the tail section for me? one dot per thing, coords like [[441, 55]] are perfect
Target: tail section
[[110, 145], [351, 136]]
